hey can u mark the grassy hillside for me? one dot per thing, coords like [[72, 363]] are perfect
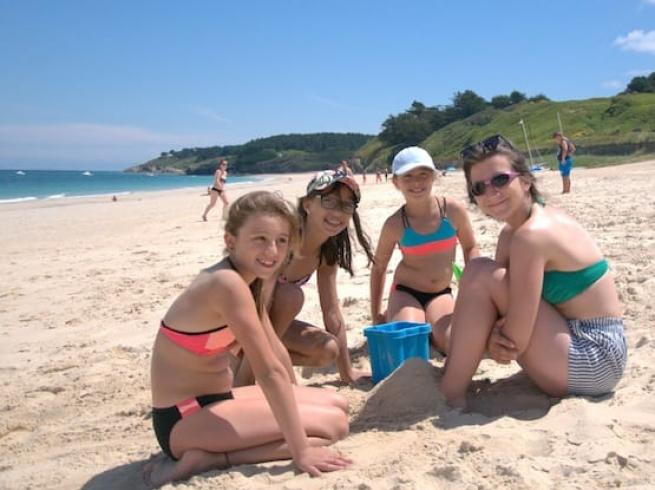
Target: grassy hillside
[[603, 127]]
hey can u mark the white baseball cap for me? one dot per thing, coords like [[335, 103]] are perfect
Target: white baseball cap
[[410, 158]]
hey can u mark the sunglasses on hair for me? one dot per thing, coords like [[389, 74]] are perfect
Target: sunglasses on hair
[[330, 202], [498, 181], [489, 144]]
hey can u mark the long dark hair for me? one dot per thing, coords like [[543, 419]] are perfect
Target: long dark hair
[[263, 202], [481, 151], [338, 249]]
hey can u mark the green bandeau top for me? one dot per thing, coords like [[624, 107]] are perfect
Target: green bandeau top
[[561, 286]]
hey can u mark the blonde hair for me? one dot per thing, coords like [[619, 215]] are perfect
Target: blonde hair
[[268, 203]]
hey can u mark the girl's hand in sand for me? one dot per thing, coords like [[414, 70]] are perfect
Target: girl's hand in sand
[[355, 376], [500, 348], [317, 460]]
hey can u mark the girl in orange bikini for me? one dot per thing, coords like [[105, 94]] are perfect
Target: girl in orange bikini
[[201, 421]]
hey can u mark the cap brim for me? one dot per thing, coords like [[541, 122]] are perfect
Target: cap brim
[[352, 185], [411, 166]]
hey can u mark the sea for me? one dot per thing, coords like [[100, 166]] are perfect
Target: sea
[[28, 185]]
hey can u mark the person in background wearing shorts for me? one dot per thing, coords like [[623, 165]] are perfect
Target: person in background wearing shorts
[[564, 159]]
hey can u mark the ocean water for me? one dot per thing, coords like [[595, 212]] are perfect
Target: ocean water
[[26, 185]]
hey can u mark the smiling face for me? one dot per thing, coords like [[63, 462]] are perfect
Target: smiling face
[[415, 184], [261, 245], [326, 210], [499, 202]]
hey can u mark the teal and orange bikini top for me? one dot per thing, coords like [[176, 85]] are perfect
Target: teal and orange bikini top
[[443, 239]]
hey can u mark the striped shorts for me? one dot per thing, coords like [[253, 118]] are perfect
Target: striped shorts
[[597, 355]]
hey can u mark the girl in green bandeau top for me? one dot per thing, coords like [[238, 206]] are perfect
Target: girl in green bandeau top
[[547, 300]]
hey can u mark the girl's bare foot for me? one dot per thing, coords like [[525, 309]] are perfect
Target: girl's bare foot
[[161, 470]]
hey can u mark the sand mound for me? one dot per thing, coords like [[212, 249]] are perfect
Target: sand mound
[[408, 395]]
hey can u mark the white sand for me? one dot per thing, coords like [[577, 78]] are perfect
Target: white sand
[[85, 282]]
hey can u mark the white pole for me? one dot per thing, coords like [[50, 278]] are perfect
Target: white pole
[[559, 122], [527, 143]]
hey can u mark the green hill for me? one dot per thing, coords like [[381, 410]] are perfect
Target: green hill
[[603, 129], [281, 153]]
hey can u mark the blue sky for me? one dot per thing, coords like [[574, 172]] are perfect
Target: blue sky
[[105, 85]]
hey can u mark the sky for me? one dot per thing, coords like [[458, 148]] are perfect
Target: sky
[[107, 85]]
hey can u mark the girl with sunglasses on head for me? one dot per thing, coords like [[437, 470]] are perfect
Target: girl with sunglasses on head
[[426, 229], [201, 420], [325, 212], [547, 301]]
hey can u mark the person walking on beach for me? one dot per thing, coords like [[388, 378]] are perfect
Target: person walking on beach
[[565, 151], [547, 300], [201, 420], [426, 229], [218, 190], [326, 211]]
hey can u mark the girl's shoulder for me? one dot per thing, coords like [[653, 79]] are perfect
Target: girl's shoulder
[[394, 222], [452, 205], [221, 276]]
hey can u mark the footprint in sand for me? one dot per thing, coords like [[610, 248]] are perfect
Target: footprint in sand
[[14, 435]]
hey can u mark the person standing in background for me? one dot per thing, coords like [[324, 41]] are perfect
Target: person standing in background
[[565, 152]]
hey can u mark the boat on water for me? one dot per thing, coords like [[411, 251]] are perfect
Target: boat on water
[[20, 172], [87, 173]]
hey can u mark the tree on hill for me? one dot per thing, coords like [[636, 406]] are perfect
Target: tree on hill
[[468, 103], [641, 84]]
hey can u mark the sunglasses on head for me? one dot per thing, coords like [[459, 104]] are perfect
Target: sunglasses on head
[[498, 181], [487, 145], [329, 201]]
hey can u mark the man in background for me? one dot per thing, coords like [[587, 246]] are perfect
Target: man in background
[[565, 152]]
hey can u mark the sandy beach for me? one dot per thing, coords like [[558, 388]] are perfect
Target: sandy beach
[[86, 281]]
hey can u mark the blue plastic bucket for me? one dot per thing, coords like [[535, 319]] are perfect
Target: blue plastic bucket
[[391, 344]]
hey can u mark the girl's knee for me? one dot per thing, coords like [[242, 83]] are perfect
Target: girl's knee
[[478, 271], [327, 353], [291, 296], [339, 425], [338, 401]]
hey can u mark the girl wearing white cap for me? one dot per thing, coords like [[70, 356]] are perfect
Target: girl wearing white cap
[[426, 229]]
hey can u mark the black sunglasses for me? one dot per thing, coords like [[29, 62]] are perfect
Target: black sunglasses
[[498, 181], [492, 143], [331, 202]]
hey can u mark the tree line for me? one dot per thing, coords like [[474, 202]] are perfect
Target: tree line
[[268, 148], [419, 121]]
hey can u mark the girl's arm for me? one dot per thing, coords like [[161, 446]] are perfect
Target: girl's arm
[[386, 243], [526, 276], [502, 248], [326, 279], [244, 375], [237, 307], [460, 217]]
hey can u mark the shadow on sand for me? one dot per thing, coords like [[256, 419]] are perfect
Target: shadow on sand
[[129, 476], [410, 395]]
